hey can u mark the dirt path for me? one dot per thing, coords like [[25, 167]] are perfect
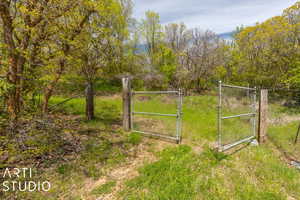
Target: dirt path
[[126, 171]]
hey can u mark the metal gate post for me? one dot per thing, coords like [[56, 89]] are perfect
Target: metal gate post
[[181, 113], [126, 103], [131, 109], [254, 111], [179, 116], [219, 116]]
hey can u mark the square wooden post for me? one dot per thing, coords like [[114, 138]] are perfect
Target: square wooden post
[[263, 116], [126, 103]]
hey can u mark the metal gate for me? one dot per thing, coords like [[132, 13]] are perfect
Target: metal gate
[[178, 115], [236, 115]]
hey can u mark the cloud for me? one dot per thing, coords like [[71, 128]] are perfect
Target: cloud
[[217, 15]]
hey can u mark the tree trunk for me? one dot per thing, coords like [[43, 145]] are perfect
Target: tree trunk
[[198, 85], [47, 95], [13, 100], [49, 89], [89, 101]]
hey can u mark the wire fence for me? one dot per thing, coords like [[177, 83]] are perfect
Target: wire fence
[[236, 115], [148, 118], [284, 121]]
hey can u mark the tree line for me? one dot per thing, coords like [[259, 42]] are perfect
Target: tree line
[[46, 45]]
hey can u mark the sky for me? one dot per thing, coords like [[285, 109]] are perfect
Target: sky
[[220, 16]]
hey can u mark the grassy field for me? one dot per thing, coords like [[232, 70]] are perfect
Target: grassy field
[[183, 173], [118, 165], [284, 123]]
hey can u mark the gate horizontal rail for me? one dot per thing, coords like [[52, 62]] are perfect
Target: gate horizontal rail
[[238, 87], [157, 114], [156, 135], [155, 92], [229, 146], [253, 115], [241, 115], [178, 115]]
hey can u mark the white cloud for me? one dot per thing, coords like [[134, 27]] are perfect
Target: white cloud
[[217, 15]]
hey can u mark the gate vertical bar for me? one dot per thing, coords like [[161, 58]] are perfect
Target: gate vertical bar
[[126, 96], [180, 114], [254, 111], [297, 135], [131, 109], [219, 116]]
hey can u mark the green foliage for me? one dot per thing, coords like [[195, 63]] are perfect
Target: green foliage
[[267, 54], [104, 86]]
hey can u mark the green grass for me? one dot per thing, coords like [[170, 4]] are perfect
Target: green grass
[[253, 173], [134, 138], [284, 137], [104, 189], [283, 128], [181, 173], [199, 116], [76, 106]]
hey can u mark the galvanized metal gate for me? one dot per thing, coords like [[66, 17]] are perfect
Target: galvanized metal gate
[[177, 115], [241, 110]]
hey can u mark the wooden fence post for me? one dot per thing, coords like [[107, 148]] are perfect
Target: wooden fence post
[[263, 116], [126, 103]]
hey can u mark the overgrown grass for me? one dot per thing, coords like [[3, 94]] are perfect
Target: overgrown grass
[[253, 173], [199, 116], [284, 123], [284, 136], [105, 107], [179, 172], [199, 113], [101, 145]]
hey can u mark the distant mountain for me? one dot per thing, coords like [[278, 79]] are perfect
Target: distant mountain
[[227, 35]]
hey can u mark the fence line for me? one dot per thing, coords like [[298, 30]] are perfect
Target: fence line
[[178, 115], [224, 147]]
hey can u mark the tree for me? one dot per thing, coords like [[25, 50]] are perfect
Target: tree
[[268, 52], [178, 38], [69, 27], [152, 33], [203, 57], [99, 49], [32, 38]]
